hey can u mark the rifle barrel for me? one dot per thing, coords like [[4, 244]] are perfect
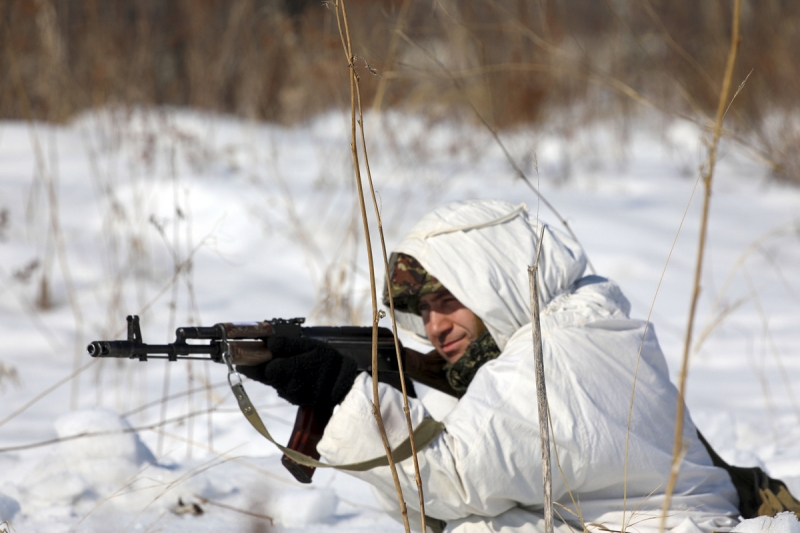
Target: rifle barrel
[[134, 349]]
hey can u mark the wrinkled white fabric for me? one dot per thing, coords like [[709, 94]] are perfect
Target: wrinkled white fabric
[[486, 268], [483, 473]]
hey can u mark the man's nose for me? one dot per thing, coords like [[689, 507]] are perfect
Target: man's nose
[[440, 323]]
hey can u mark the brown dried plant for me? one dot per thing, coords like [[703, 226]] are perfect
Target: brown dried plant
[[679, 448], [357, 118]]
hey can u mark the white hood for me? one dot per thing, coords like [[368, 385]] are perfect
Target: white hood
[[480, 250]]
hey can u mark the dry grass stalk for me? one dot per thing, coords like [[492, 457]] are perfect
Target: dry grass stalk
[[47, 391], [678, 449], [164, 404], [390, 57], [182, 268], [146, 427], [344, 33], [787, 383], [406, 409], [206, 386], [625, 523], [379, 219], [719, 311], [9, 374], [34, 315], [541, 389], [206, 501], [223, 458], [212, 463], [118, 492], [575, 503], [48, 180], [144, 309]]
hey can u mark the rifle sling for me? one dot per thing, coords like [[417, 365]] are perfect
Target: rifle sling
[[424, 434]]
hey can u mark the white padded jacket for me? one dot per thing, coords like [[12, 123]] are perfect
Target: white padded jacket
[[483, 473]]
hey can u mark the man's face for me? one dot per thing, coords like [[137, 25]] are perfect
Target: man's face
[[450, 326]]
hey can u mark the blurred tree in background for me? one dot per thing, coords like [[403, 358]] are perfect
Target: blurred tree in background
[[516, 61]]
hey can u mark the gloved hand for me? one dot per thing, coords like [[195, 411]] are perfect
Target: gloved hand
[[305, 371]]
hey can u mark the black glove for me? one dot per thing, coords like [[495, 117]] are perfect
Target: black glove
[[305, 371]]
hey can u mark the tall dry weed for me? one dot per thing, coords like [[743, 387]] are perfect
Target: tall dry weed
[[519, 61]]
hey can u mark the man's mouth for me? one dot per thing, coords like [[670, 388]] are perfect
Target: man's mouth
[[449, 346]]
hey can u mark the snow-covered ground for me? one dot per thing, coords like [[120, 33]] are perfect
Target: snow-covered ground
[[186, 218]]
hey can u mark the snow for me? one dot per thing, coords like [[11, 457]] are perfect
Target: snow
[[9, 507], [782, 523], [190, 218]]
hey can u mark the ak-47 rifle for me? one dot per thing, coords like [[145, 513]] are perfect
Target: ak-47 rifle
[[243, 344]]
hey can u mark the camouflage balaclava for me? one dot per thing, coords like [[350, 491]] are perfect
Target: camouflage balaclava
[[408, 282], [479, 352]]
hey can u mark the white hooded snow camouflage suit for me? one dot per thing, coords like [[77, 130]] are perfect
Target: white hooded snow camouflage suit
[[484, 473]]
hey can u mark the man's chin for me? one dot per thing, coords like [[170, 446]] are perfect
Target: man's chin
[[454, 356]]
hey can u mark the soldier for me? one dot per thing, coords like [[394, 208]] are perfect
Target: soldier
[[460, 282]]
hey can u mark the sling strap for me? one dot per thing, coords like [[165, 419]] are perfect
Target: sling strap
[[424, 434]]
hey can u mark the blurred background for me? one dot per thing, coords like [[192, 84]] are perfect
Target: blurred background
[[516, 61]]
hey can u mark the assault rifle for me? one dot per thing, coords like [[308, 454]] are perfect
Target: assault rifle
[[242, 343]]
